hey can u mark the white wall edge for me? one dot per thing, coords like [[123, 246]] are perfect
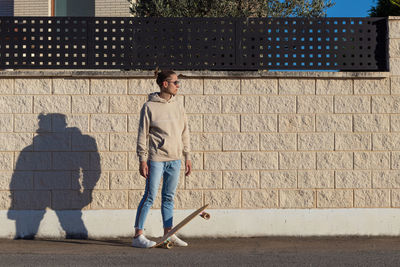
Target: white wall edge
[[223, 223]]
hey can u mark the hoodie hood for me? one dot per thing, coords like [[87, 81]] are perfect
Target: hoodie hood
[[155, 97]]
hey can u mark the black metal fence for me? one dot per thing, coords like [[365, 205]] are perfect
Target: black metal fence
[[194, 43]]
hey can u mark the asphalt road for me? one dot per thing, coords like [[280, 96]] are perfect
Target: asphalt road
[[268, 251]]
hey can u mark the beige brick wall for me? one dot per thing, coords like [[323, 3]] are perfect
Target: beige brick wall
[[267, 142]]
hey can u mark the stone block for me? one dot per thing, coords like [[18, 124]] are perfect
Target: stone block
[[70, 200], [252, 199], [223, 199], [395, 197], [353, 179], [16, 104], [297, 199], [93, 142], [259, 123], [69, 161], [51, 142], [89, 180], [278, 179], [259, 160], [185, 199], [68, 86], [52, 180], [109, 199], [6, 123], [386, 104], [395, 85], [296, 86], [17, 180], [316, 179], [352, 104], [259, 86], [316, 141], [109, 161], [206, 142], [371, 160], [203, 104], [296, 123], [204, 180], [126, 180], [5, 200], [29, 123], [73, 121], [241, 179], [195, 123], [191, 87], [221, 86], [90, 104], [334, 87], [26, 161], [394, 29], [394, 66], [102, 123], [297, 160], [240, 141], [240, 104], [395, 160], [334, 160], [52, 104], [386, 179], [108, 86], [395, 123], [371, 87], [315, 104], [277, 104], [353, 141], [371, 123], [142, 86], [334, 123], [371, 198], [6, 86], [30, 200], [222, 161], [221, 123], [278, 141], [334, 198], [133, 123], [15, 141], [386, 141], [32, 86], [123, 142], [126, 104]]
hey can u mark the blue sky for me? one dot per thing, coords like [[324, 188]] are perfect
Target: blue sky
[[351, 8]]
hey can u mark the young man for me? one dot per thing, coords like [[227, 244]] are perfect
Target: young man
[[163, 138]]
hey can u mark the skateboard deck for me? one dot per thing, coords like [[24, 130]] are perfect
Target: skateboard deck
[[164, 242]]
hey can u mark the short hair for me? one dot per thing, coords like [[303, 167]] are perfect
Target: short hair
[[163, 76]]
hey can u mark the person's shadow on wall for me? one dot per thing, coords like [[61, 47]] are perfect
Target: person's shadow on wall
[[58, 171]]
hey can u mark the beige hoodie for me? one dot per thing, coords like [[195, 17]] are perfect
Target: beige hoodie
[[163, 130]]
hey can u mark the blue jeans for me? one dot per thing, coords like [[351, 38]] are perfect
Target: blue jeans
[[169, 170]]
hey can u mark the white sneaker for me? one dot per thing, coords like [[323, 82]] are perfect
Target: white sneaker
[[176, 241], [142, 242]]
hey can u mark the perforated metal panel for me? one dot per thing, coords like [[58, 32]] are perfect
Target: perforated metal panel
[[299, 43], [32, 42], [184, 43], [194, 43]]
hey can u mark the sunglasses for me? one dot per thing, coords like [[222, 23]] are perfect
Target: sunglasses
[[175, 83]]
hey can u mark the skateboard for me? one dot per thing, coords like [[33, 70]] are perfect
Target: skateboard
[[165, 243]]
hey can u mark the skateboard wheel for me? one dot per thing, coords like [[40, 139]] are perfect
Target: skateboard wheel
[[168, 245], [205, 215]]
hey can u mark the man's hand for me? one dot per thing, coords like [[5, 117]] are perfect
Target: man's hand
[[144, 169], [188, 167]]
